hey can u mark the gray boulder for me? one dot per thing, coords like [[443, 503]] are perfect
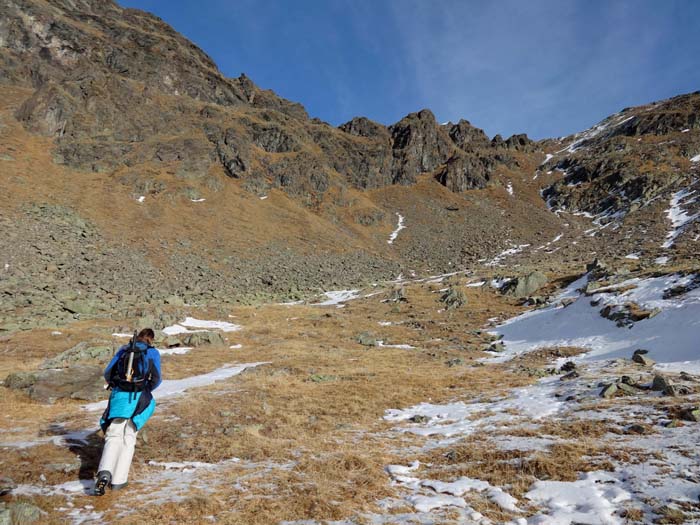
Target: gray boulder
[[203, 338], [640, 356], [79, 353], [609, 391], [691, 414], [525, 285], [7, 485], [47, 386], [366, 339], [662, 384], [453, 298], [19, 513]]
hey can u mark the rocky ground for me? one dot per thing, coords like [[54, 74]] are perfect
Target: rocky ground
[[391, 404]]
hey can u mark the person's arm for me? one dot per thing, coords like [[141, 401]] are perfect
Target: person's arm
[[156, 378], [108, 370]]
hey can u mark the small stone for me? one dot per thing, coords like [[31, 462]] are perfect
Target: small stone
[[321, 378], [571, 375], [661, 384], [609, 391], [496, 346], [642, 359], [685, 376], [627, 380], [453, 298], [398, 295], [366, 339], [7, 485], [636, 429], [691, 414], [174, 300], [568, 366], [627, 390], [419, 418]]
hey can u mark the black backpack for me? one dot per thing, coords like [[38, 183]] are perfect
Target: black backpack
[[137, 380]]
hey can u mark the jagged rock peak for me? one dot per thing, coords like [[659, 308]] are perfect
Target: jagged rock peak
[[467, 137], [519, 142], [364, 127], [419, 145]]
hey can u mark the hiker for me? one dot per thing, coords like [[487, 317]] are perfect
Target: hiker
[[129, 407]]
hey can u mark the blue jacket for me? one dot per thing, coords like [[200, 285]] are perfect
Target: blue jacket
[[135, 405]]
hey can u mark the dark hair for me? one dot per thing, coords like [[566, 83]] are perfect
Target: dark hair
[[146, 335]]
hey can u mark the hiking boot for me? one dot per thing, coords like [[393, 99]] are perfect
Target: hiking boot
[[103, 479]]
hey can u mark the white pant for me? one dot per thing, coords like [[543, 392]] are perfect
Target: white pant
[[120, 441]]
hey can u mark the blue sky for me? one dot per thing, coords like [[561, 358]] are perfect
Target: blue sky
[[543, 67]]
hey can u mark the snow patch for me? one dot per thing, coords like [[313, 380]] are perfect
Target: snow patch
[[381, 344], [670, 336], [200, 326], [610, 123], [515, 249], [595, 498], [679, 217], [178, 350], [455, 419], [400, 226], [338, 297]]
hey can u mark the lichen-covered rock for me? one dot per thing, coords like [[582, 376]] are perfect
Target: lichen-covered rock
[[47, 386], [203, 338], [525, 285], [453, 298]]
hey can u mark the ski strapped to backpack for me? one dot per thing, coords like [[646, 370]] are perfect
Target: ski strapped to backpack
[[131, 372]]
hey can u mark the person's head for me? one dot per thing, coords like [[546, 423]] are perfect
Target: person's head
[[146, 335]]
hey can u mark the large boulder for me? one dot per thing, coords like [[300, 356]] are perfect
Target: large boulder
[[203, 338], [524, 286], [47, 386], [80, 353]]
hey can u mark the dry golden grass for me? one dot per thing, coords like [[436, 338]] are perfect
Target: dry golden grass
[[325, 431]]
